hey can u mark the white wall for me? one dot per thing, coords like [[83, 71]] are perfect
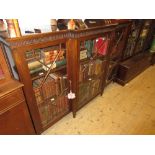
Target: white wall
[[31, 23]]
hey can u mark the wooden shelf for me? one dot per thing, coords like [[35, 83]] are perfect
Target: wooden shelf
[[95, 58], [37, 76]]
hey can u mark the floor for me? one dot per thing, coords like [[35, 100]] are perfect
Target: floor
[[121, 110]]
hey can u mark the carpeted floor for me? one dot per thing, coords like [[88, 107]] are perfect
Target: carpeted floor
[[121, 110]]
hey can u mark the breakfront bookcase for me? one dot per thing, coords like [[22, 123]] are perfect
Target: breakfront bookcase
[[79, 67]]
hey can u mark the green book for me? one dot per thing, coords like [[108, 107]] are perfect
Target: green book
[[152, 49], [36, 70]]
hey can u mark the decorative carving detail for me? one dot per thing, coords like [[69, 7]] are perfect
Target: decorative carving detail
[[52, 37], [32, 40], [86, 33]]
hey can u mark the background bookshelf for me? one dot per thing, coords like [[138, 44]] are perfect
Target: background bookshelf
[[134, 31], [136, 57]]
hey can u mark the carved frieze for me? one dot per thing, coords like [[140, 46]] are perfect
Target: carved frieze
[[58, 36]]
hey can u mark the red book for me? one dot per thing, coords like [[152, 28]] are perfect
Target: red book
[[102, 46]]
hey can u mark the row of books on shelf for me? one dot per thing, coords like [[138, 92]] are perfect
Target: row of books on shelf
[[91, 68], [38, 66], [130, 46], [54, 108], [39, 60], [47, 53], [54, 86], [89, 90], [50, 55], [96, 46]]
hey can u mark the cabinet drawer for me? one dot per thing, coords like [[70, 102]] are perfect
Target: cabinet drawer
[[16, 121], [10, 100]]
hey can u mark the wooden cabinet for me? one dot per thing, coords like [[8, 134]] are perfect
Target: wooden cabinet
[[136, 56], [14, 114], [132, 67]]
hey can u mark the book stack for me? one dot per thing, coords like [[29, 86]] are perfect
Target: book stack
[[38, 94], [101, 46], [83, 93], [50, 54], [88, 90], [83, 54], [39, 60], [94, 87], [57, 64], [32, 55], [61, 81], [90, 69], [35, 66], [98, 67], [48, 89], [55, 85], [90, 45], [53, 109], [83, 74], [43, 114], [52, 98], [152, 49]]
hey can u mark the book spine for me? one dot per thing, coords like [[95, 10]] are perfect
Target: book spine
[[36, 70], [60, 63]]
